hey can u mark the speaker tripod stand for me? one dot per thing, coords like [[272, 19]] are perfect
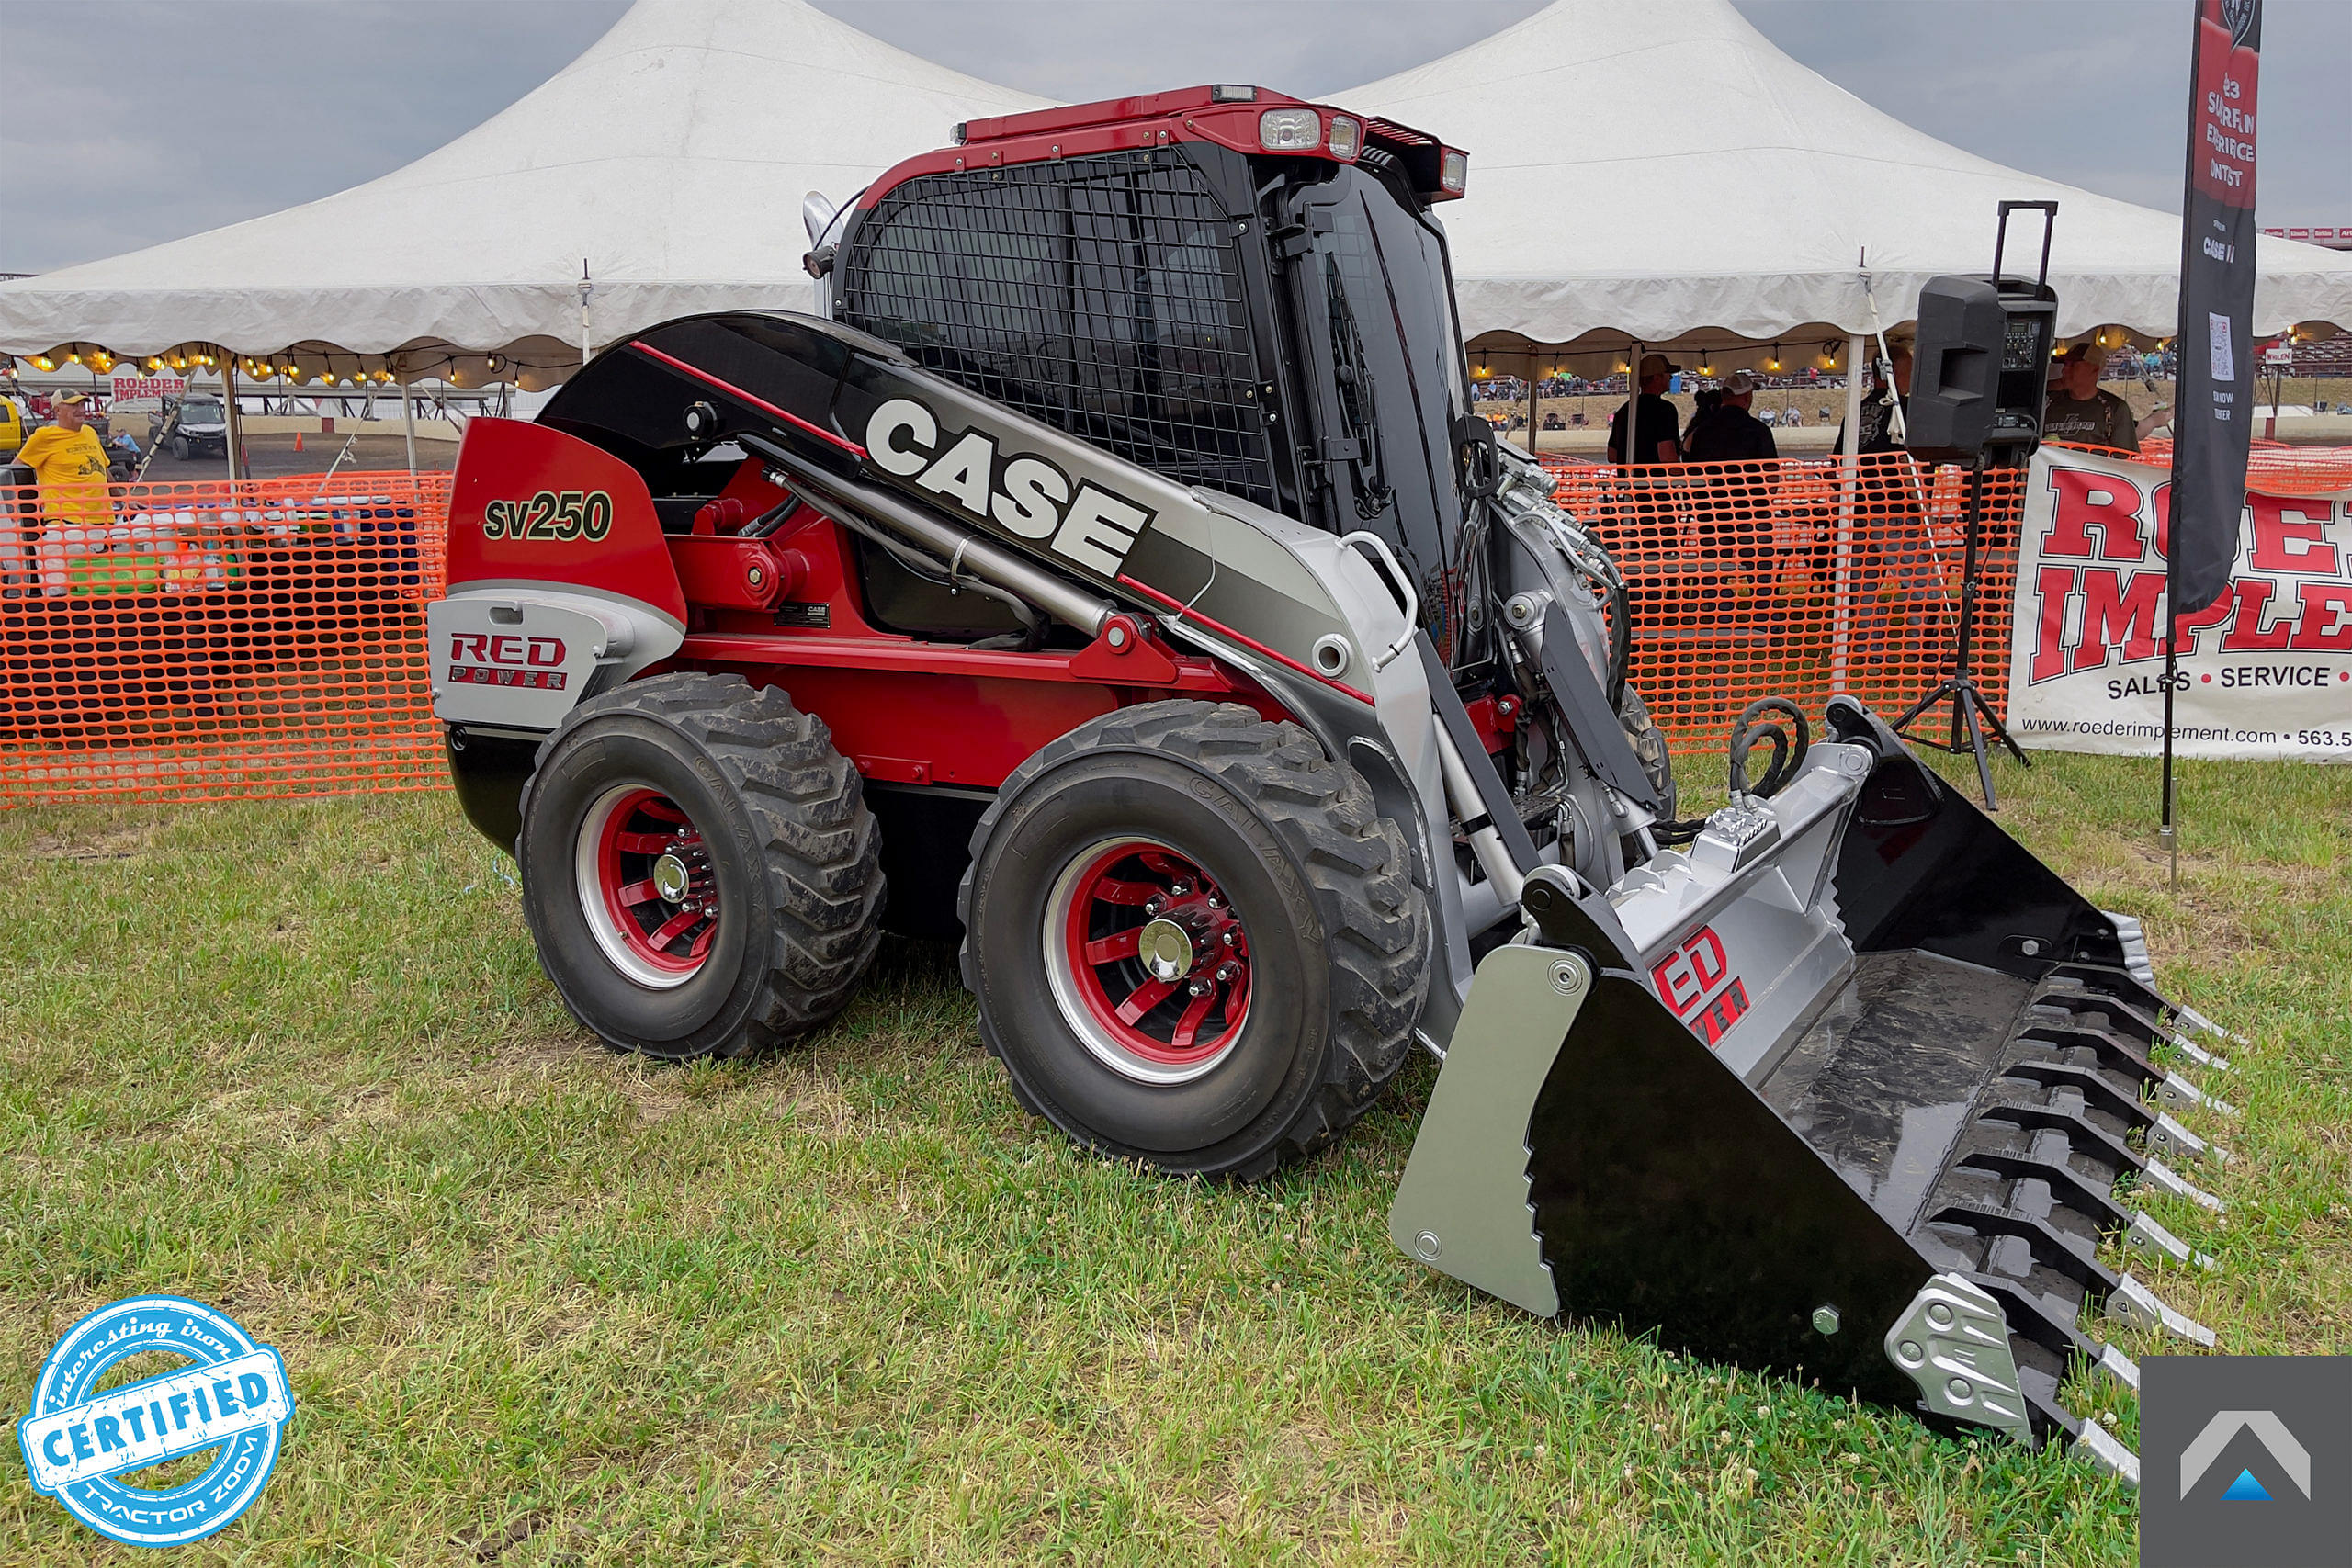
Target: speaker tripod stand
[[1972, 719]]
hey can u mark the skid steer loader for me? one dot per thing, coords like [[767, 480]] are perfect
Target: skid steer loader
[[1114, 570]]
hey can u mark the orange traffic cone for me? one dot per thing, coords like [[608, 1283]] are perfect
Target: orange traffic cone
[[298, 441]]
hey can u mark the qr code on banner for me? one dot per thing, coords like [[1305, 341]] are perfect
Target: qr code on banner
[[2226, 363]]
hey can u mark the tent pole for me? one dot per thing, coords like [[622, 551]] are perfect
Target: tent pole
[[235, 436], [408, 419], [1849, 480], [1531, 406]]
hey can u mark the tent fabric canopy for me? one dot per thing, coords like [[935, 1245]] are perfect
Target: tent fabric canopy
[[1745, 223], [672, 156]]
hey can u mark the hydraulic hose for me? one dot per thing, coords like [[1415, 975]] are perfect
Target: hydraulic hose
[[1760, 721]]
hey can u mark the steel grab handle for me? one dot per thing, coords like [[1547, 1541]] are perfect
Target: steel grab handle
[[1399, 580]]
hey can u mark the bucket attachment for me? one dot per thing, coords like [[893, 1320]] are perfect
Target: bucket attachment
[[1898, 1183]]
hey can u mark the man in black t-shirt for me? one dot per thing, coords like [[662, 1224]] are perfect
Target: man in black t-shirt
[[1732, 435], [1656, 428]]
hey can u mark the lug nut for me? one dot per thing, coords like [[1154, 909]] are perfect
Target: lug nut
[[1228, 973], [1179, 887], [1154, 905], [1196, 987], [1231, 938], [1216, 902]]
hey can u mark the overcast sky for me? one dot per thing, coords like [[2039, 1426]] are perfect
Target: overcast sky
[[123, 124]]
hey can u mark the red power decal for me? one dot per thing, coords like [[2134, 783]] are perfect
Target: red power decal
[[1696, 982], [506, 660]]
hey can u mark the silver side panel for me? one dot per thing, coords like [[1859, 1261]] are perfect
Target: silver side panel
[[1462, 1205], [522, 655], [1953, 1341]]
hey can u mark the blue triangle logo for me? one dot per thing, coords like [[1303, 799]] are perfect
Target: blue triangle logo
[[2246, 1489]]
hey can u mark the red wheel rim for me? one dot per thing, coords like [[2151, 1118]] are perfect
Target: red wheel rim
[[1155, 957], [647, 885]]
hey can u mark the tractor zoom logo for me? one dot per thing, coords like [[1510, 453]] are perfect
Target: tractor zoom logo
[[489, 659], [1695, 980], [2246, 1462]]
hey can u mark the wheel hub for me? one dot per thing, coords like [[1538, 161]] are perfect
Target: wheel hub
[[1166, 949], [1148, 960], [646, 887]]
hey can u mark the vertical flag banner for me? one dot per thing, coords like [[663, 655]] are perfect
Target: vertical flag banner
[[2212, 419]]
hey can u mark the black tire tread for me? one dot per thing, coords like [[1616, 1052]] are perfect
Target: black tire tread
[[818, 845], [1376, 923]]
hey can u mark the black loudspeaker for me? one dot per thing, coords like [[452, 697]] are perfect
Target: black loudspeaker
[[1981, 368]]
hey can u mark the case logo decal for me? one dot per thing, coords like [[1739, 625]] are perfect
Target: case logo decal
[[1024, 493]]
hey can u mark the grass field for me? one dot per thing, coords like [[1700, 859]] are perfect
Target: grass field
[[544, 1305]]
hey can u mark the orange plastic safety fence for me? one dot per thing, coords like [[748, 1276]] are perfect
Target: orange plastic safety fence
[[2272, 466], [220, 641], [1802, 578]]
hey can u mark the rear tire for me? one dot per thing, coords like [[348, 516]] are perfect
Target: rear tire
[[699, 870], [1300, 955], [180, 449]]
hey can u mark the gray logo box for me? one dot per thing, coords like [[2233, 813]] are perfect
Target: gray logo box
[[2281, 1425]]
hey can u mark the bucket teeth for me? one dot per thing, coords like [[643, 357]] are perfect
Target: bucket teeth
[[2120, 1367], [2083, 1136], [2168, 1136], [2065, 1185], [2199, 1055], [2162, 1178], [2108, 1451], [2207, 1027], [2051, 1248], [2180, 1094], [2145, 1236], [2134, 1303]]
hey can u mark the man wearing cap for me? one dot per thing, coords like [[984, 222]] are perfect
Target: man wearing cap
[[1733, 435], [2083, 412], [1654, 425], [70, 464]]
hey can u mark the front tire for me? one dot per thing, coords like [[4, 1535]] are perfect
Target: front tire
[[699, 871], [1193, 940]]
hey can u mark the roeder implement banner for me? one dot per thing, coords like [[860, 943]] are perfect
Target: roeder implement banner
[[2265, 670], [2213, 418]]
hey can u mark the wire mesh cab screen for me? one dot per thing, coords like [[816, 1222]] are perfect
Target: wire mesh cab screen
[[1101, 295]]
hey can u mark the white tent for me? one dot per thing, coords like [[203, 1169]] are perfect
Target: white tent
[[672, 157], [1655, 171]]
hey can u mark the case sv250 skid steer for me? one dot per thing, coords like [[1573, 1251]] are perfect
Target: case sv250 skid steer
[[1112, 569]]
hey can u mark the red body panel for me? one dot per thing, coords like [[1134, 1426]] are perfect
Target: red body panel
[[503, 467], [788, 611]]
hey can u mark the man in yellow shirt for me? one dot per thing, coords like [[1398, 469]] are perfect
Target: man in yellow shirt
[[71, 464]]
